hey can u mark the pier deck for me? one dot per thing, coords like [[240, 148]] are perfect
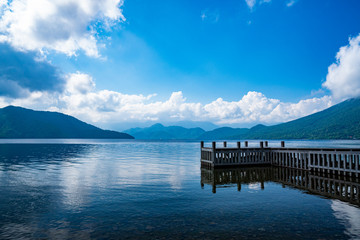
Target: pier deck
[[324, 160]]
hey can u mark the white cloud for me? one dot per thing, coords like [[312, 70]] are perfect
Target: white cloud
[[251, 3], [65, 26], [343, 78], [79, 83], [81, 99], [3, 3], [203, 15], [290, 3], [210, 15], [256, 107], [302, 108]]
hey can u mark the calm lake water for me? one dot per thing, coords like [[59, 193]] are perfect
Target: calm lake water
[[80, 189]]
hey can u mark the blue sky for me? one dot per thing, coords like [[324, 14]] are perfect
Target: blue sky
[[284, 52], [200, 58]]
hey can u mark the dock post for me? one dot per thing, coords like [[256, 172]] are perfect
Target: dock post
[[282, 144], [246, 144], [225, 144], [261, 144], [213, 153], [238, 144], [201, 147], [266, 143]]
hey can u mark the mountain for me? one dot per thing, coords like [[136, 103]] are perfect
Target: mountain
[[341, 121], [223, 133], [207, 126], [159, 131], [17, 122]]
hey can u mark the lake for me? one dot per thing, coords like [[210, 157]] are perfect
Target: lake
[[99, 189]]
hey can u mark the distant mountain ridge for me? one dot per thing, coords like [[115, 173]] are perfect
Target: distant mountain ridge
[[223, 133], [159, 131], [18, 122], [341, 121]]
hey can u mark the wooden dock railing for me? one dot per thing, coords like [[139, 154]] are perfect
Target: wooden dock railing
[[323, 160]]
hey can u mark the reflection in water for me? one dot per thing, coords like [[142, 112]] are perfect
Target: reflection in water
[[80, 190], [349, 216], [142, 190], [27, 191], [341, 188], [37, 155], [227, 177], [336, 187]]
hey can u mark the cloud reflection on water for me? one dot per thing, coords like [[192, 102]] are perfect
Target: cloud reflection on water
[[76, 191], [349, 216]]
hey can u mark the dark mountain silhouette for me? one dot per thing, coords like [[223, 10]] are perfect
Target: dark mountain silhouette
[[17, 122]]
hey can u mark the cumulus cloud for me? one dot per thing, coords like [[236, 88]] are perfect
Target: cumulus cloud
[[256, 107], [343, 78], [64, 26], [103, 107], [22, 73]]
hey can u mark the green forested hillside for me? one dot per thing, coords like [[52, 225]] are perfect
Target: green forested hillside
[[17, 122], [341, 121]]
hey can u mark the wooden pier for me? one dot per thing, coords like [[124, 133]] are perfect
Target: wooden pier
[[339, 161]]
